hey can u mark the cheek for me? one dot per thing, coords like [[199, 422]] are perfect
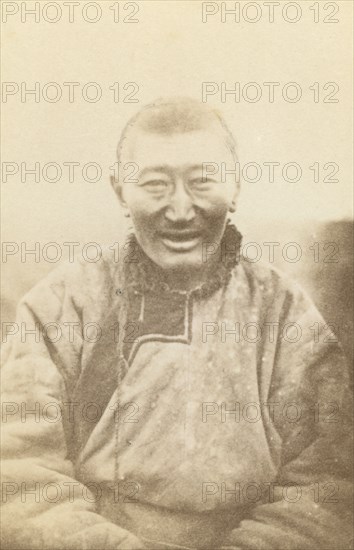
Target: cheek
[[144, 222], [139, 203], [215, 207], [220, 195]]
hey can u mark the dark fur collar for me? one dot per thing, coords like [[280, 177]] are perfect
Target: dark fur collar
[[144, 275]]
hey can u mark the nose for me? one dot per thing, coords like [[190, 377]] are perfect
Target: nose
[[180, 207]]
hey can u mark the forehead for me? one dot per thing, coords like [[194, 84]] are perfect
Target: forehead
[[177, 150]]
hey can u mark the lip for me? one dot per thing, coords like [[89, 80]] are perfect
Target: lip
[[182, 241]]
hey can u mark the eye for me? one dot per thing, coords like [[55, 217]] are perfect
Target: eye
[[155, 186], [201, 183]]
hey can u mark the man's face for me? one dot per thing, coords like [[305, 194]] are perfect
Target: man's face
[[175, 207]]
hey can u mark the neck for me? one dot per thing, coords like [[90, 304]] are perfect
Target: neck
[[188, 279], [184, 280], [203, 280]]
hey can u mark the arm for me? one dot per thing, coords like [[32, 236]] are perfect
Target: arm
[[316, 448], [43, 505]]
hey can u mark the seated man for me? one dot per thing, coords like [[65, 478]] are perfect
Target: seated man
[[179, 397]]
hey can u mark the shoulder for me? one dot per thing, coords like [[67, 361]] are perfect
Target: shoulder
[[269, 285], [81, 281], [263, 274]]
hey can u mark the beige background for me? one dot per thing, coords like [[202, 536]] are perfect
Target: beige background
[[171, 52]]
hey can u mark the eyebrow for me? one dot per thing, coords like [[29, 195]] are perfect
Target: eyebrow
[[165, 168]]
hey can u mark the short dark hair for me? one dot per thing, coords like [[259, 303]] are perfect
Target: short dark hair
[[176, 115]]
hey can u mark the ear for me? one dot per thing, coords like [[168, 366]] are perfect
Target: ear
[[233, 203], [117, 188]]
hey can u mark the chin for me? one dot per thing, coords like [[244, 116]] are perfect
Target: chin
[[180, 262]]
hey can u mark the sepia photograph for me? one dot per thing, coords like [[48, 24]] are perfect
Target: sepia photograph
[[177, 275]]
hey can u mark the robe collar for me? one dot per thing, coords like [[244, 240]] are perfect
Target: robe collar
[[143, 275]]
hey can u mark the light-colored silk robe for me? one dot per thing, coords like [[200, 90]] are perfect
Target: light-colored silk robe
[[161, 472]]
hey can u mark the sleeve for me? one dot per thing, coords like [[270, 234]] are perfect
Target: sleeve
[[309, 505], [43, 505]]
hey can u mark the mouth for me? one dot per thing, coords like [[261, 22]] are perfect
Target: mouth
[[181, 241]]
